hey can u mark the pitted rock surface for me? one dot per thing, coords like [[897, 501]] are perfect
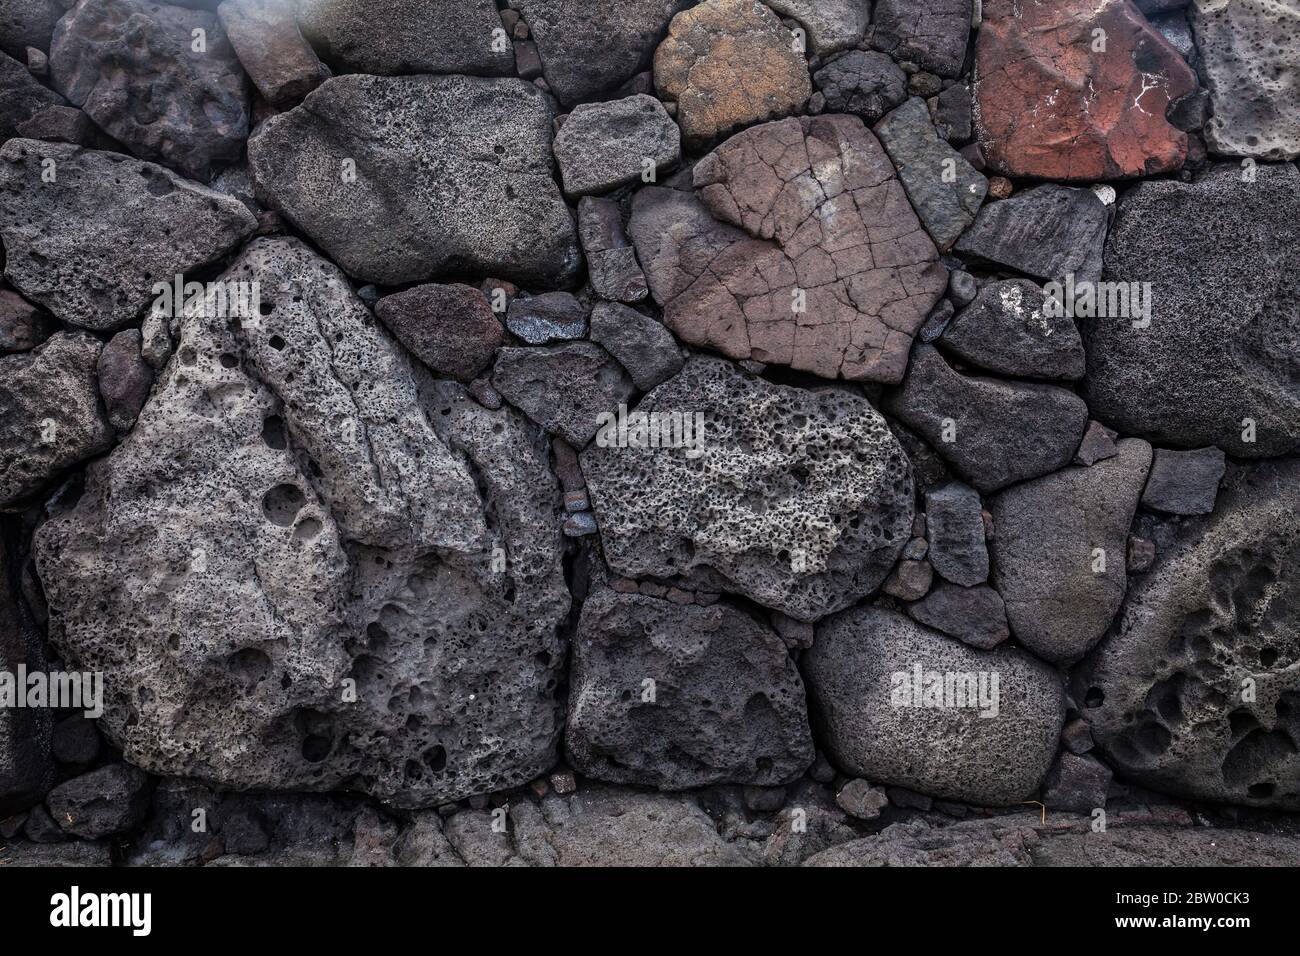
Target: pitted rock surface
[[800, 501], [22, 98], [299, 507], [406, 178], [831, 24], [827, 225], [1165, 693], [1049, 104], [726, 704]]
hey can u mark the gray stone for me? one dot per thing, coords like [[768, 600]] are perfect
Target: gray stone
[[1010, 329], [640, 343], [858, 673], [859, 799], [301, 506], [78, 854], [271, 48], [974, 615], [542, 319], [1098, 444], [75, 740], [611, 259], [408, 36], [867, 83], [1218, 363], [25, 23], [110, 800], [725, 703], [1047, 232], [124, 379], [22, 325], [132, 66], [61, 124], [450, 328], [909, 581], [423, 202], [1175, 28], [51, 417], [962, 288], [91, 246], [749, 515], [946, 205], [1165, 847], [1184, 482], [1076, 783], [25, 733], [951, 111], [21, 97], [1248, 52], [1001, 432], [563, 388], [1076, 736], [1047, 537], [602, 146], [831, 24], [955, 531], [929, 33]]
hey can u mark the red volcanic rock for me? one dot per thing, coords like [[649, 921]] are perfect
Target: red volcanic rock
[[1050, 102], [800, 248]]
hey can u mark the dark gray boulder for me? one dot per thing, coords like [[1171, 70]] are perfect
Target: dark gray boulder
[[563, 388], [602, 146], [930, 33], [110, 800], [26, 771], [975, 615], [1011, 329], [21, 97], [124, 379], [611, 259], [25, 23], [867, 83], [1047, 232], [640, 343], [954, 528], [450, 328], [1184, 482]]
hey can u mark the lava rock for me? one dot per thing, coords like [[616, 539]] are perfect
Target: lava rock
[[124, 379], [106, 801], [1076, 783], [929, 33], [60, 124], [909, 581], [22, 325], [867, 83], [1098, 444], [542, 319], [860, 674], [25, 732], [75, 741], [92, 245], [611, 259], [675, 697], [28, 23], [134, 68], [1184, 482], [832, 25], [266, 38], [563, 388], [1010, 329], [1060, 547], [1178, 32], [974, 615], [1048, 232], [405, 157], [774, 468], [450, 328], [997, 432], [602, 146], [952, 113], [21, 97], [641, 344], [860, 800], [955, 531]]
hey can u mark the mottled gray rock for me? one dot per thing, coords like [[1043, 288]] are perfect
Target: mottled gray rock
[[1047, 232], [831, 24], [909, 581], [674, 697], [304, 513], [955, 532], [76, 854], [590, 47], [25, 733], [859, 799], [61, 124], [271, 48], [975, 615], [1219, 361], [1077, 783], [51, 417], [750, 514], [1184, 482], [22, 325], [861, 672], [409, 36], [951, 112], [1010, 329], [542, 319], [563, 388], [1098, 444], [867, 83], [450, 328], [1175, 28], [943, 187], [929, 33], [124, 379], [1248, 52], [1059, 551], [1163, 846], [371, 169], [28, 23], [611, 259], [133, 67], [640, 343], [602, 146], [112, 799], [1195, 692], [91, 245], [21, 97], [918, 843], [993, 432]]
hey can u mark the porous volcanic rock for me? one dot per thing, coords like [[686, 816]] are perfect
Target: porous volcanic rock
[[800, 500], [450, 328], [303, 515], [831, 24], [1056, 100], [827, 228], [389, 175], [602, 146], [28, 23], [21, 97]]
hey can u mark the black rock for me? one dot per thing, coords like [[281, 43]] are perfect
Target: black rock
[[543, 319], [1184, 482], [1047, 232], [1076, 783], [869, 84], [641, 344], [955, 531], [563, 388], [1012, 329], [112, 799], [974, 615], [611, 259]]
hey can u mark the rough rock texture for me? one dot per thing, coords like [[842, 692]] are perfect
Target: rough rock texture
[[26, 771], [993, 432], [1050, 103], [1048, 232], [271, 48], [1009, 329], [27, 23], [1248, 53], [22, 325], [943, 187], [968, 843], [868, 83], [827, 229], [640, 343], [831, 25], [124, 379], [975, 615], [563, 388], [730, 63], [590, 47], [602, 146], [1155, 846], [954, 526], [109, 800], [1223, 345], [724, 702], [91, 245], [1076, 783], [1196, 690], [133, 67], [51, 417], [551, 317], [1061, 594], [611, 259], [853, 670], [450, 328], [801, 501], [408, 36], [1184, 482], [389, 176], [303, 517], [930, 33], [21, 97]]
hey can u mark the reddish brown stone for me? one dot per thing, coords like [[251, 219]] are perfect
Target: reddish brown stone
[[1050, 105]]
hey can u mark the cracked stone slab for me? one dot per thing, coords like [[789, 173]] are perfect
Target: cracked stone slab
[[930, 33], [799, 248]]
